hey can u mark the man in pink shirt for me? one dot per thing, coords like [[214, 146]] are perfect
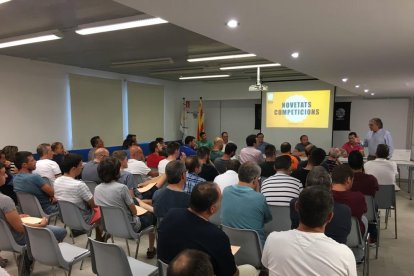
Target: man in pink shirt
[[353, 144], [250, 153]]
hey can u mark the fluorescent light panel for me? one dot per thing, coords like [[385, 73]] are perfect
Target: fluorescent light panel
[[220, 57], [4, 1], [118, 24], [28, 39], [204, 77], [250, 66]]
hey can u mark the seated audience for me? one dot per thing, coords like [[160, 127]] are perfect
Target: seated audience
[[58, 153], [340, 225], [191, 262], [173, 152], [285, 149], [193, 167], [7, 188], [9, 214], [281, 188], [225, 137], [229, 177], [45, 167], [332, 161], [171, 196], [135, 165], [110, 193], [203, 142], [250, 153], [261, 144], [189, 147], [155, 157], [342, 178], [130, 140], [384, 170], [90, 169], [315, 159], [96, 143], [307, 250], [163, 146], [300, 147], [216, 151], [69, 189], [27, 182], [268, 166], [242, 206], [208, 171], [353, 144], [222, 162], [9, 155], [190, 229], [308, 149], [364, 183]]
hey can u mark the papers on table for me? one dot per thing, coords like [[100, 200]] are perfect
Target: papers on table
[[140, 210], [147, 187], [234, 249], [31, 220], [401, 155]]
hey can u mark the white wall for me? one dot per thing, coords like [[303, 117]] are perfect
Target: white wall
[[34, 101]]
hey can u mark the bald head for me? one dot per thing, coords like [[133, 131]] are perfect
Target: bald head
[[100, 153], [191, 262], [136, 152]]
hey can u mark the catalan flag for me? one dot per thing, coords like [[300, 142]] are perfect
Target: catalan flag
[[200, 127]]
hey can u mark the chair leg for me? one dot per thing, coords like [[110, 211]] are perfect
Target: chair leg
[[395, 218], [136, 251], [378, 237], [387, 213], [129, 252], [71, 235], [70, 269]]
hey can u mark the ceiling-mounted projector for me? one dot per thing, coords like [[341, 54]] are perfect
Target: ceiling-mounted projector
[[258, 87]]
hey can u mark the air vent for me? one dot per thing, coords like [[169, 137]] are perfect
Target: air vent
[[142, 63]]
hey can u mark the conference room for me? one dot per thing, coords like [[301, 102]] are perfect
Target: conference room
[[313, 59]]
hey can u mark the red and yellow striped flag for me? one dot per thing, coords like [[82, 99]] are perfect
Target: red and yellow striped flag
[[200, 127]]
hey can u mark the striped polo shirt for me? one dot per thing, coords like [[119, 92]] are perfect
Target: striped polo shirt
[[280, 188]]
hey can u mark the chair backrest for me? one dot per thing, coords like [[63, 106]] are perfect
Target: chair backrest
[[44, 246], [91, 185], [138, 178], [250, 251], [29, 204], [117, 223], [72, 216], [385, 196], [280, 219], [162, 268], [7, 242], [371, 213], [110, 259], [354, 238]]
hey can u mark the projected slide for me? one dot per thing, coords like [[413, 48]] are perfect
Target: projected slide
[[298, 109]]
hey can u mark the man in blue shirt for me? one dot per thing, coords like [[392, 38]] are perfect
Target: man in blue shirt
[[242, 206], [189, 147], [377, 135], [193, 166], [27, 182]]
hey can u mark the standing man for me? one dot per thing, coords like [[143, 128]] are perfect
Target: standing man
[[375, 136], [261, 144], [300, 147]]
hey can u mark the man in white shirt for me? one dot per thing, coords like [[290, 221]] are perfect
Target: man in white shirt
[[45, 166], [307, 250], [229, 177], [384, 170], [280, 188], [173, 152], [136, 166], [250, 153]]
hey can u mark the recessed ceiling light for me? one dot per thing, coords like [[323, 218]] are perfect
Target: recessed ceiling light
[[357, 86], [118, 24], [295, 55], [4, 1], [366, 90], [250, 66], [31, 38], [204, 77], [344, 79], [372, 94], [220, 57], [232, 23]]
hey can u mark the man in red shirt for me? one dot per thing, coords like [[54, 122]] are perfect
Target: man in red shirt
[[353, 144], [342, 179], [154, 158]]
